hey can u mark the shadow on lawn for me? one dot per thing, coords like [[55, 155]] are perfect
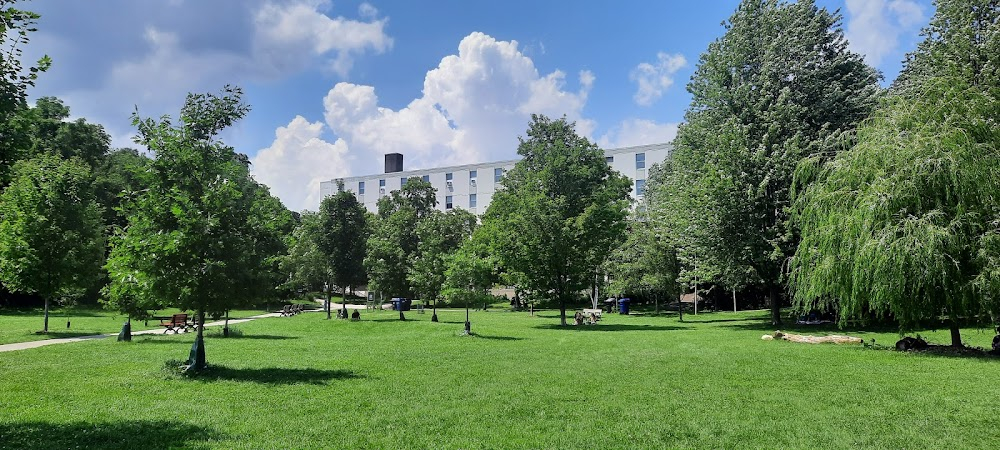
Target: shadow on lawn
[[497, 338], [611, 327], [273, 375], [147, 434]]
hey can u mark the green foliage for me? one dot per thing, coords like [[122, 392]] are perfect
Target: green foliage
[[52, 133], [643, 264], [439, 235], [392, 245], [15, 25], [778, 86], [961, 41], [343, 232], [203, 234], [50, 230], [559, 212], [304, 263], [902, 225], [120, 176]]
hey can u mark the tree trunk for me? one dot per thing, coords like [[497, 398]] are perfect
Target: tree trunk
[[956, 333], [562, 310], [45, 328], [656, 304], [329, 298], [225, 327], [196, 360], [343, 301], [774, 296], [434, 310], [734, 300], [680, 309]]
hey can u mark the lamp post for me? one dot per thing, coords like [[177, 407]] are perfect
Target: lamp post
[[468, 326], [326, 288]]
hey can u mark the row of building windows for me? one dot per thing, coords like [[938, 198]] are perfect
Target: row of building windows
[[449, 201], [640, 185]]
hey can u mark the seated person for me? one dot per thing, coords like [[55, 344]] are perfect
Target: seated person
[[355, 315], [341, 314], [578, 318], [593, 318]]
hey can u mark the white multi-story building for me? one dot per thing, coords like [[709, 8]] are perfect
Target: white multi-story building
[[471, 186]]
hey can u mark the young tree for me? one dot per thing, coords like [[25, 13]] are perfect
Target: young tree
[[50, 230], [191, 234], [343, 233], [643, 264], [439, 235], [560, 211], [905, 224], [304, 263], [778, 86]]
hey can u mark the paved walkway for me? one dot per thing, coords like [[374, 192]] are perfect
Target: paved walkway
[[42, 343]]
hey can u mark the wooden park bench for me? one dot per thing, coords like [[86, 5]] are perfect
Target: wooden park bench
[[176, 323], [286, 311]]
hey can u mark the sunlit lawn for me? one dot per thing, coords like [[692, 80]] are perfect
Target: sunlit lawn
[[521, 382]]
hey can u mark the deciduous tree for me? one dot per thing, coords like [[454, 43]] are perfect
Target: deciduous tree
[[51, 240]]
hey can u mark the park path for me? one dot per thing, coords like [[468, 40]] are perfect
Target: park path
[[42, 343]]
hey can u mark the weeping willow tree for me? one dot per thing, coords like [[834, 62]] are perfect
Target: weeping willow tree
[[905, 224]]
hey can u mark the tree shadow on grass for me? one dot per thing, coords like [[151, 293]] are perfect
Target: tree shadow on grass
[[611, 327], [145, 434], [69, 334], [497, 338], [272, 375], [267, 337]]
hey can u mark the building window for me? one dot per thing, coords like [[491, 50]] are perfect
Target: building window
[[361, 188], [497, 174], [402, 182], [640, 188], [472, 174], [609, 159], [426, 178], [381, 183], [640, 160], [472, 200], [447, 176], [447, 202]]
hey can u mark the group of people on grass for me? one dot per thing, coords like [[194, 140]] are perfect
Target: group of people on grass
[[579, 318]]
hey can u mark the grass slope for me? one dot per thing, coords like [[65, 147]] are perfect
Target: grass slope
[[522, 382]]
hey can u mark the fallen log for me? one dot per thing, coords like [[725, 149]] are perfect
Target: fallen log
[[807, 339]]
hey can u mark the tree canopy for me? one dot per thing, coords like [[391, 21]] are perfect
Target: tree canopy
[[200, 233], [905, 223], [560, 210], [51, 241], [342, 238], [778, 86]]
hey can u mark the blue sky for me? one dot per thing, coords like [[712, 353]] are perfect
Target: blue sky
[[336, 84]]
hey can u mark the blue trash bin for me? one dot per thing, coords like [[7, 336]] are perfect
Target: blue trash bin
[[623, 305], [396, 304]]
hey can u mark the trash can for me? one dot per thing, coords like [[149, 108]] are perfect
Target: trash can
[[623, 305], [405, 304], [396, 304]]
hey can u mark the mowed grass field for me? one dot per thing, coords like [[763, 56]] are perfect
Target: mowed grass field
[[520, 382]]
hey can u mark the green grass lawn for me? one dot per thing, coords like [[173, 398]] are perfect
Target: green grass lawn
[[21, 325], [521, 382]]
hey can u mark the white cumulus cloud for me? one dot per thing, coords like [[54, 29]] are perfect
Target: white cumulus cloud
[[289, 35], [473, 107], [875, 26], [655, 78], [297, 161]]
